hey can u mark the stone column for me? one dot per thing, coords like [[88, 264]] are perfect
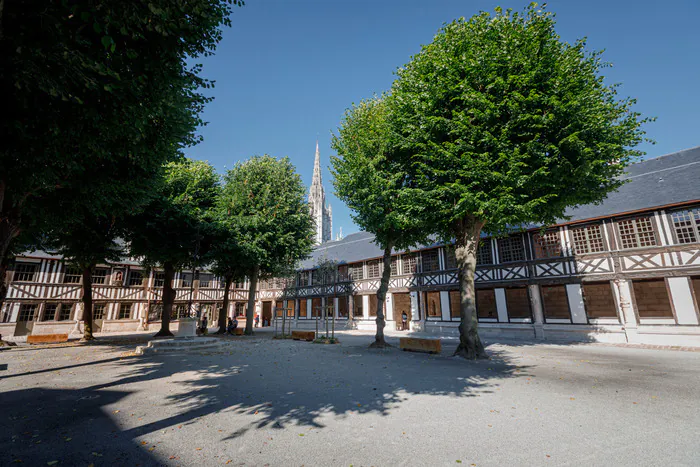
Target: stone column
[[623, 294], [537, 310], [351, 312]]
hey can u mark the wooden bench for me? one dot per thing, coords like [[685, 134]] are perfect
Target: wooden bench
[[238, 331], [308, 336], [47, 338], [420, 345]]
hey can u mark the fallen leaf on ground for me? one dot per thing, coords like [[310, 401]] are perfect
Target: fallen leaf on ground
[[116, 411], [199, 449]]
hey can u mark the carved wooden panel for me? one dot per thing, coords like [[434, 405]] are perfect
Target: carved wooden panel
[[689, 258], [513, 273], [643, 262]]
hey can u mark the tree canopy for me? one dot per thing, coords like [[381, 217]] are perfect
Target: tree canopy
[[175, 229], [503, 123], [368, 175], [264, 200]]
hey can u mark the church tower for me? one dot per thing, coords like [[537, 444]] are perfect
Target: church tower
[[320, 211]]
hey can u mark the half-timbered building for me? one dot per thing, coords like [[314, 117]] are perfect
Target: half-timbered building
[[624, 271]]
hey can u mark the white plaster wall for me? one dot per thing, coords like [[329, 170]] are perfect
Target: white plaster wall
[[389, 309], [574, 294], [682, 298], [501, 307], [365, 307], [445, 305]]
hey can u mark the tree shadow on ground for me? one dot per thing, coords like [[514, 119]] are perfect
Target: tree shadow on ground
[[260, 382]]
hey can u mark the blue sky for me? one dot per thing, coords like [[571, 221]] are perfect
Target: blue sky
[[287, 69]]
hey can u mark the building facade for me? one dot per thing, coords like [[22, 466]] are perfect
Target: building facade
[[321, 212], [624, 271]]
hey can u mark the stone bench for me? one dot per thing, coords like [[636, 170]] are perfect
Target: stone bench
[[416, 344], [308, 336], [47, 338]]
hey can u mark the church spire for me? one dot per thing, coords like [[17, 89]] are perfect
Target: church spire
[[316, 181]]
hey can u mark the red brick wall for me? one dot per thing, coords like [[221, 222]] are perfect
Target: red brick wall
[[652, 299], [486, 303], [599, 300], [517, 302], [554, 302]]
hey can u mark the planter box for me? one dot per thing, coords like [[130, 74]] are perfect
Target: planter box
[[308, 336]]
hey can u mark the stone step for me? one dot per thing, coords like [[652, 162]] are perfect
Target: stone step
[[180, 345]]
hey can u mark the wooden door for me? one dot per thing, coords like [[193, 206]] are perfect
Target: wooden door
[[402, 303], [266, 313]]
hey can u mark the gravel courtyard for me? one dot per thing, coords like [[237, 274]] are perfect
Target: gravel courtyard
[[260, 401]]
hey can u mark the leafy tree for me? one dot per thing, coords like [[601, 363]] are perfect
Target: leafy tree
[[369, 178], [506, 124], [93, 83], [264, 200], [176, 224]]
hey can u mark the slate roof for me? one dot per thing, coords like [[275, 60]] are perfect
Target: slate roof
[[665, 180]]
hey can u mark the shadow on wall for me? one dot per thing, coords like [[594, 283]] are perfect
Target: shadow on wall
[[291, 384]]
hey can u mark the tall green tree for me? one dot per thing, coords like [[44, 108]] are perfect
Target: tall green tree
[[87, 83], [175, 229], [264, 200], [369, 177], [504, 124]]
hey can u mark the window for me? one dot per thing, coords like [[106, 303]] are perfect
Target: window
[[637, 232], [99, 276], [50, 312], [205, 280], [517, 302], [25, 272], [430, 261], [72, 275], [450, 258], [155, 311], [158, 279], [302, 308], [599, 300], [135, 278], [181, 311], [547, 245], [652, 298], [357, 306], [187, 280], [486, 303], [279, 309], [290, 308], [316, 278], [373, 269], [394, 265], [343, 274], [356, 272], [587, 239], [687, 225], [432, 304], [303, 278], [240, 308], [483, 254], [555, 302], [26, 312], [409, 263], [64, 312], [98, 311], [125, 310], [511, 249]]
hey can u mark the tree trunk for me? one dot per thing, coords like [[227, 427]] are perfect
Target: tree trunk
[[224, 310], [250, 311], [87, 302], [9, 229], [467, 243], [168, 299], [379, 341]]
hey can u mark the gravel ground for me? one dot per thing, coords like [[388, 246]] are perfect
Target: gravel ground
[[261, 401]]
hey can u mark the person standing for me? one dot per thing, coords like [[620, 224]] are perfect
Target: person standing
[[257, 320]]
